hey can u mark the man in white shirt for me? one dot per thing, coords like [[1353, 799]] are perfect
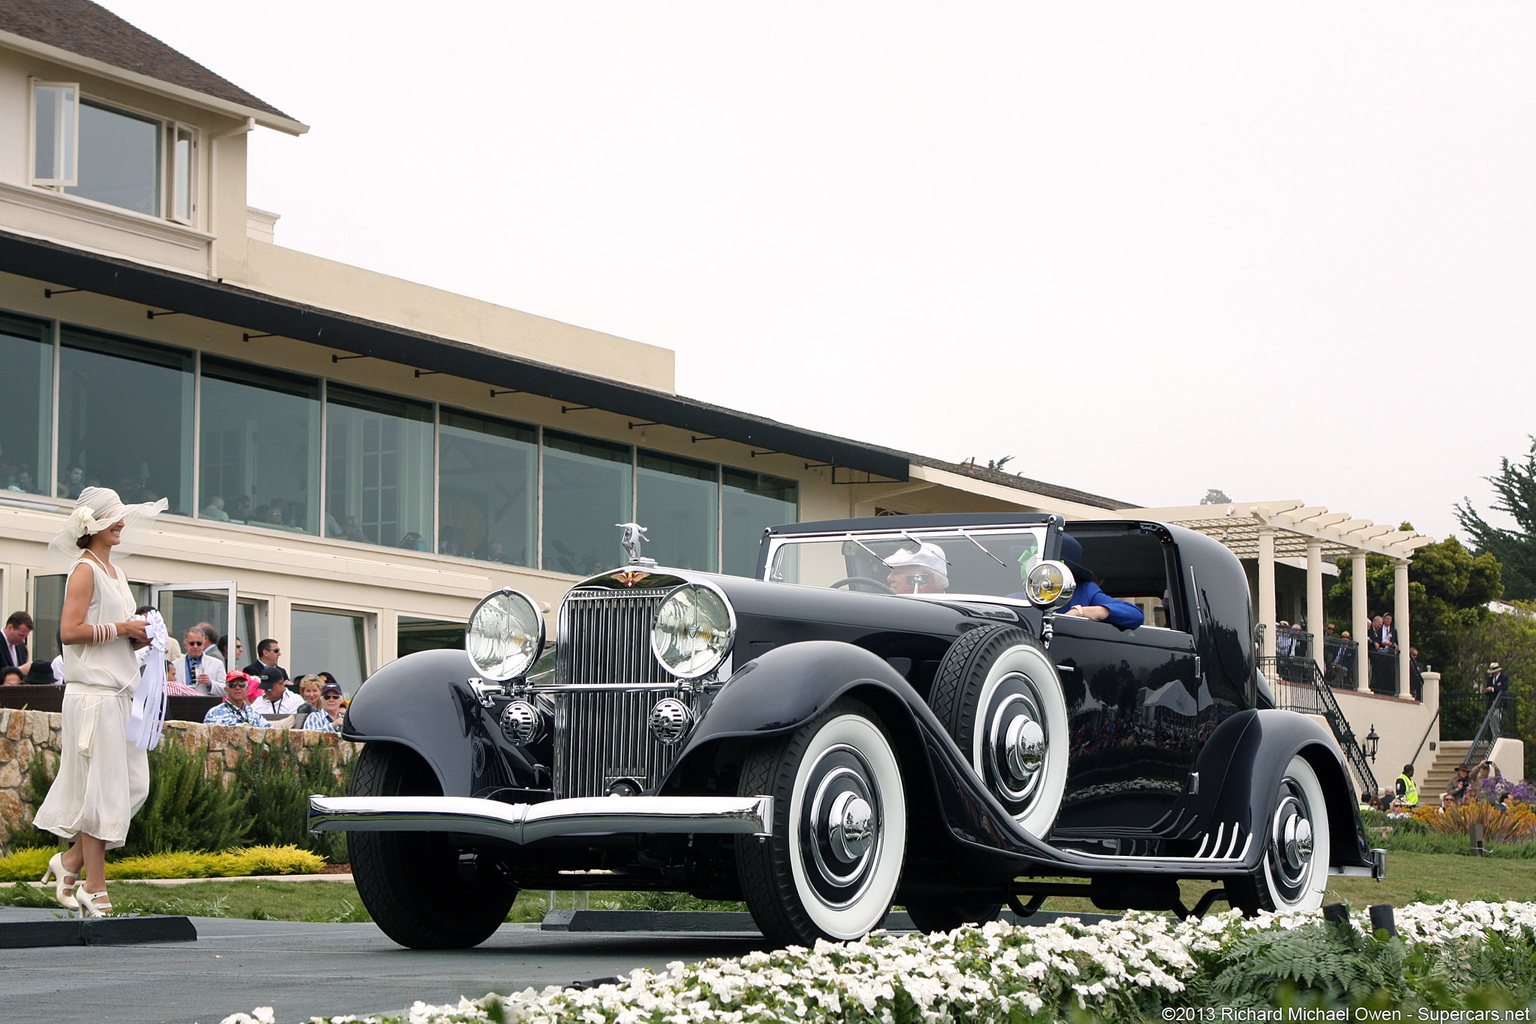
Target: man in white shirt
[[278, 699], [201, 669]]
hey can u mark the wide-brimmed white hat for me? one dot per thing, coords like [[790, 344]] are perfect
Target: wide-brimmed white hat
[[96, 509], [928, 556]]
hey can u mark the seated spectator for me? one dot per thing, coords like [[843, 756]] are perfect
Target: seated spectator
[[215, 510], [277, 698], [1446, 801], [10, 676], [40, 673], [330, 715], [235, 709], [1398, 808], [309, 688]]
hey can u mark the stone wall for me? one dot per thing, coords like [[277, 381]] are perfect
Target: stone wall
[[24, 733]]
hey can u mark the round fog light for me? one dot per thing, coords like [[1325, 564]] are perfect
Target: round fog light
[[670, 720]]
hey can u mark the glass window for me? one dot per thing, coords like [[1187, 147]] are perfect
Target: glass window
[[26, 415], [334, 642], [588, 488], [378, 484], [125, 419], [183, 150], [678, 501], [260, 447], [752, 503], [54, 109], [428, 635], [487, 488], [119, 159]]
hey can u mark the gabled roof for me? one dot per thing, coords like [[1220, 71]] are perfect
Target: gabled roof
[[87, 30]]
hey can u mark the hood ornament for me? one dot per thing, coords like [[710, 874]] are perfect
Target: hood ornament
[[633, 534]]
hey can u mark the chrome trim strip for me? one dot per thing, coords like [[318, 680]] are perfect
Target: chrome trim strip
[[527, 823]]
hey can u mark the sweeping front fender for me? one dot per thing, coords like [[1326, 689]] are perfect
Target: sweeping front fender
[[424, 702], [790, 685]]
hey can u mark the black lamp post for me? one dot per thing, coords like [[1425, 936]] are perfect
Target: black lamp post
[[1372, 741]]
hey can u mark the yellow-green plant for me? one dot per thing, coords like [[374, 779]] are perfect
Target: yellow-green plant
[[1514, 823], [28, 865]]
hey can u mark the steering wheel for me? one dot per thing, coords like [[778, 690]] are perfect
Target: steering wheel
[[863, 584]]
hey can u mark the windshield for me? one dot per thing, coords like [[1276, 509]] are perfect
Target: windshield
[[990, 561]]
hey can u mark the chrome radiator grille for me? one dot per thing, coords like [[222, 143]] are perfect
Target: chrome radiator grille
[[605, 637], [601, 736]]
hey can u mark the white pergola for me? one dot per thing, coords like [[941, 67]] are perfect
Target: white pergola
[[1267, 530]]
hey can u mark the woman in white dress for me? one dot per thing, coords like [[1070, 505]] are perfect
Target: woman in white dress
[[102, 779]]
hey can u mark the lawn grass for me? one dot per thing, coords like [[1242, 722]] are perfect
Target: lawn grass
[[1411, 878]]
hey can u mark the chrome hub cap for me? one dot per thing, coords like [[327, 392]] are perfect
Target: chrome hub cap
[[841, 827], [1016, 742], [1291, 842]]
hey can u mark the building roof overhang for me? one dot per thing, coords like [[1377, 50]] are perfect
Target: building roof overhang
[[256, 312], [1294, 526]]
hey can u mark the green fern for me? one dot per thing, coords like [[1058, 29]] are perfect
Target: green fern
[[1321, 965]]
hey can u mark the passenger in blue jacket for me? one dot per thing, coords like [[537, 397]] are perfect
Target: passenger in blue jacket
[[1089, 601]]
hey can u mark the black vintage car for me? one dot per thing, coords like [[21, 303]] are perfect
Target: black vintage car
[[822, 747]]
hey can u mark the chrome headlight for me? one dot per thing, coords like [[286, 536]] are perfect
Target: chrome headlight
[[505, 635], [693, 631], [1050, 584]]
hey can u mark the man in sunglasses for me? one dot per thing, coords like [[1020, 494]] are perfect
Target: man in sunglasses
[[265, 665]]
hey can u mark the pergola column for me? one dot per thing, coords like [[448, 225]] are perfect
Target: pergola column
[[1400, 621], [1267, 588], [1315, 601], [1359, 594]]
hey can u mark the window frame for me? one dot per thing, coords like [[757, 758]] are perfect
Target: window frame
[[171, 194], [71, 158]]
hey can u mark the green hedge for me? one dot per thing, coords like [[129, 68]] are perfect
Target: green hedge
[[266, 805]]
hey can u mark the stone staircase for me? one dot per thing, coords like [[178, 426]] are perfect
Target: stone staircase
[[1438, 777]]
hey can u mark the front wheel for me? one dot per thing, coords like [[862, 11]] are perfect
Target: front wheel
[[418, 888], [1294, 873], [829, 869]]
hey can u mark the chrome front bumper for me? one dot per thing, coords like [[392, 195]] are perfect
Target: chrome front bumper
[[528, 823]]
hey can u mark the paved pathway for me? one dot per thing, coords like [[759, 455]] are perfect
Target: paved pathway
[[303, 969]]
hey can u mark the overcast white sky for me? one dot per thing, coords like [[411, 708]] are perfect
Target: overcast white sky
[[1285, 250]]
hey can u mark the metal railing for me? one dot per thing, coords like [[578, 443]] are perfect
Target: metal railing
[[1306, 691], [1339, 657], [1491, 729]]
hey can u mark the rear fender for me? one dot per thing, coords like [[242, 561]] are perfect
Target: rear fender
[[1250, 764]]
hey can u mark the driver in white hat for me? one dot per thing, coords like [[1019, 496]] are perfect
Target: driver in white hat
[[918, 572]]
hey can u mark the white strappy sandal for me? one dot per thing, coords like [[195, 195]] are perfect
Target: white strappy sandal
[[62, 890]]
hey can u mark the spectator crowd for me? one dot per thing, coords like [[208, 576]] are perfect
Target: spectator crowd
[[261, 695]]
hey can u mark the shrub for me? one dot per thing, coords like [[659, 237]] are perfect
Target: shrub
[[1513, 824], [26, 865], [186, 810], [279, 786]]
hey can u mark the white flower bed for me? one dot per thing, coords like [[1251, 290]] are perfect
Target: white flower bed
[[996, 972]]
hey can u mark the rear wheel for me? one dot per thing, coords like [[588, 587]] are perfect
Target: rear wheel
[[839, 834], [422, 892], [1294, 873]]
